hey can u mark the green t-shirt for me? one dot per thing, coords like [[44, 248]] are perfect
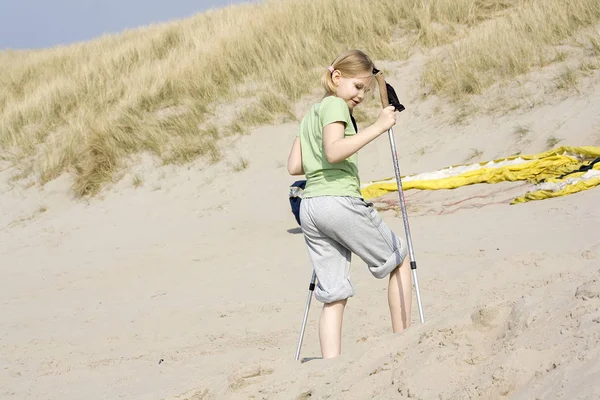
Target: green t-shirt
[[323, 178]]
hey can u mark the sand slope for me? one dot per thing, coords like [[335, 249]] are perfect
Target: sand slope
[[193, 285]]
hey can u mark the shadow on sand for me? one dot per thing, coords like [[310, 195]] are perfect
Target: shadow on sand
[[307, 359]]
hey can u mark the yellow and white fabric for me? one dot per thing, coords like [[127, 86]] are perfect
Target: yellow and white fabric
[[544, 170]]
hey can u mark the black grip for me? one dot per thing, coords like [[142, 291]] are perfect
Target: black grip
[[393, 99]]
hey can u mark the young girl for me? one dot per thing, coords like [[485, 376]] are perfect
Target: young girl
[[335, 219]]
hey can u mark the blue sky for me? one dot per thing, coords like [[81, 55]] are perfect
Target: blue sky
[[33, 24]]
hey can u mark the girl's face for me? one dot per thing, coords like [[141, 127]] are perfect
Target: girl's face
[[352, 90]]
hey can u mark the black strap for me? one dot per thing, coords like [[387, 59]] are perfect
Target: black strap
[[354, 123], [583, 168]]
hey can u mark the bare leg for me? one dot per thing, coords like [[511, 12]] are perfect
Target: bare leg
[[330, 328], [400, 296]]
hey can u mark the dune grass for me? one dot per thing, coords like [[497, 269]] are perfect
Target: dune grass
[[509, 46], [86, 108]]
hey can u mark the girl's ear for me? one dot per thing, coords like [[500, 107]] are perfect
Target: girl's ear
[[335, 77]]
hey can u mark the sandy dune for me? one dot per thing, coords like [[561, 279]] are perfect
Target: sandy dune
[[193, 285]]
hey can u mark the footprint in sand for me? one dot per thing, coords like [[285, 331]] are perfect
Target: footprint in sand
[[589, 290], [485, 317], [248, 376], [196, 395], [305, 395]]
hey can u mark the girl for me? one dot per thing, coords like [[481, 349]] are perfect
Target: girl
[[335, 219]]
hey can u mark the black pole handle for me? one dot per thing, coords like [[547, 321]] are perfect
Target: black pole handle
[[389, 96]]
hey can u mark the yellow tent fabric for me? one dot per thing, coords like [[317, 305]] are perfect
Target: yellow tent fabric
[[571, 184], [533, 168]]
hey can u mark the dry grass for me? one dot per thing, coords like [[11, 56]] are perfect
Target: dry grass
[[87, 108], [473, 155], [265, 110], [240, 165], [509, 46], [138, 181], [567, 80], [521, 131], [552, 141]]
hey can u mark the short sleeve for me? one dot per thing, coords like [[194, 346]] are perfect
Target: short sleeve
[[334, 109]]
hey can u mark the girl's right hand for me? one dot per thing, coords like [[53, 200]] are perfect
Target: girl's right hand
[[387, 118]]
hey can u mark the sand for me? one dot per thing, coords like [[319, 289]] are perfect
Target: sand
[[193, 285]]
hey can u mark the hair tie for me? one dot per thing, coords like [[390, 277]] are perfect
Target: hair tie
[[330, 68]]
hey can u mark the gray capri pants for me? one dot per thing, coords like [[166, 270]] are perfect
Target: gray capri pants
[[335, 227]]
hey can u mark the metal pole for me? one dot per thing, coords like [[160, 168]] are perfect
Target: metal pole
[[311, 288], [413, 263]]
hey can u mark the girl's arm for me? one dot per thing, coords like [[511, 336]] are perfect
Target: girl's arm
[[338, 148], [294, 165]]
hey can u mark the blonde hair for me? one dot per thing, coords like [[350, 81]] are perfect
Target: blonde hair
[[350, 63]]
